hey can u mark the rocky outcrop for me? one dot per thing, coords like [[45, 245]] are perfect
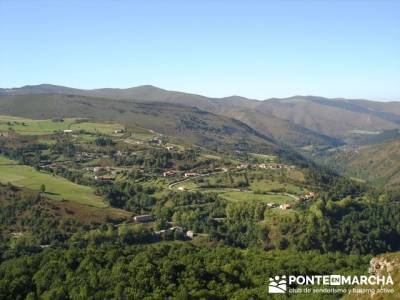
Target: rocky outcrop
[[379, 265]]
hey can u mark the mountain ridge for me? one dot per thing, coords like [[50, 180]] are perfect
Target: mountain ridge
[[51, 87], [298, 121]]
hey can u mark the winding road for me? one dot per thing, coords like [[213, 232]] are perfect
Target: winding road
[[246, 191], [194, 177]]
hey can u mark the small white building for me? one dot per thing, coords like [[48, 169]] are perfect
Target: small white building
[[191, 174], [68, 131], [285, 206], [97, 169], [168, 174], [190, 234]]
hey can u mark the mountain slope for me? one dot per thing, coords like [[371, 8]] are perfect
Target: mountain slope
[[332, 117], [379, 163], [40, 89], [189, 124], [235, 107], [282, 130], [300, 121]]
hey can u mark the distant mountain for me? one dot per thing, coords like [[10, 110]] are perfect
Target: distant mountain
[[378, 163], [189, 124], [40, 89], [140, 93], [236, 107], [338, 118], [305, 122], [283, 131]]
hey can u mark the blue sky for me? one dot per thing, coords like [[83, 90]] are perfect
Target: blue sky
[[257, 49]]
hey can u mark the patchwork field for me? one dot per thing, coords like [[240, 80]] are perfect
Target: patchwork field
[[56, 187]]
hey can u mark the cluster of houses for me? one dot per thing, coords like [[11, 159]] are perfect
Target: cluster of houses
[[285, 206], [188, 174], [189, 234], [84, 156], [148, 218], [308, 196], [271, 166], [104, 173], [156, 141]]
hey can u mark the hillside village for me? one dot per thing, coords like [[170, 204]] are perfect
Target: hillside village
[[102, 159], [108, 183], [200, 150]]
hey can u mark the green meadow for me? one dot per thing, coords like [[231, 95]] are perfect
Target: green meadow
[[32, 127], [270, 186], [105, 128], [56, 187], [26, 126], [248, 196]]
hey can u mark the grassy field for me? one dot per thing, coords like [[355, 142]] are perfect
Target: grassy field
[[246, 196], [26, 126], [142, 135], [56, 187], [267, 186], [32, 127], [190, 185], [105, 128], [267, 158]]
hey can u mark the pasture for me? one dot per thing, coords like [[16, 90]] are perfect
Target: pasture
[[26, 126], [93, 127], [249, 196], [56, 187], [271, 186]]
